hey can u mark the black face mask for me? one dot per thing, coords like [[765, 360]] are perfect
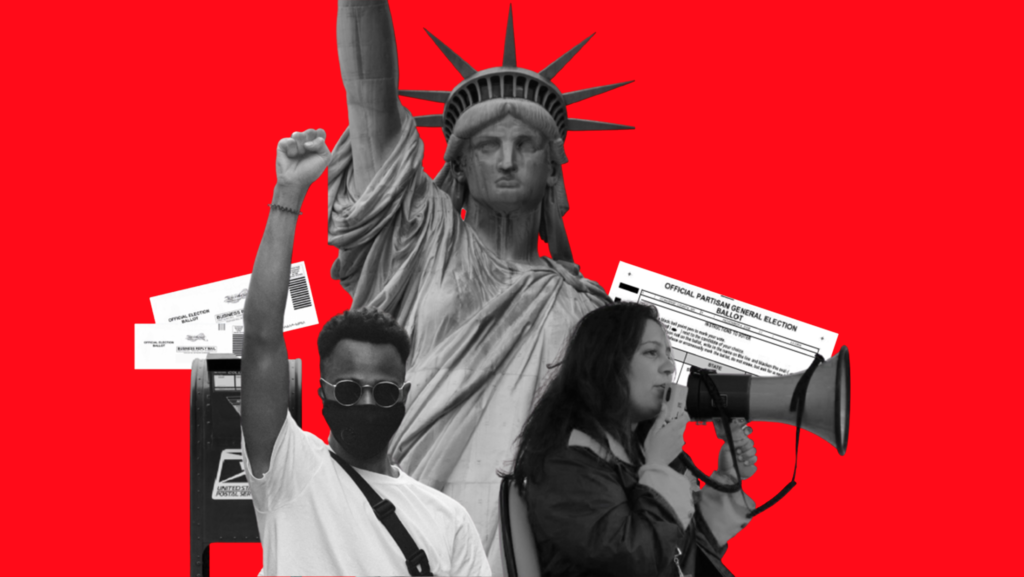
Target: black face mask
[[363, 431]]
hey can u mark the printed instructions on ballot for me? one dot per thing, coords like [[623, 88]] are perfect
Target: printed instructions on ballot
[[713, 331]]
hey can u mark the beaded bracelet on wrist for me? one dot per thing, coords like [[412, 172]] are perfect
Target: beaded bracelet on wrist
[[284, 209]]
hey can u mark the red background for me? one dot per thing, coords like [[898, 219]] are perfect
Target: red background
[[853, 165]]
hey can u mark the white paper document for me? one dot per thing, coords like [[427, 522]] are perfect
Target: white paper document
[[175, 346], [222, 302], [713, 331]]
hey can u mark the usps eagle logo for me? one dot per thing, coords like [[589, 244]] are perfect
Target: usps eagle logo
[[231, 484]]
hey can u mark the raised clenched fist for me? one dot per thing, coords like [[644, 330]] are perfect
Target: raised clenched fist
[[301, 159]]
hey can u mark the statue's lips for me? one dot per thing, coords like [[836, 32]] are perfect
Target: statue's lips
[[507, 183]]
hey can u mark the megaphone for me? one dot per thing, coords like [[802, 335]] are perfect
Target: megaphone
[[826, 405]]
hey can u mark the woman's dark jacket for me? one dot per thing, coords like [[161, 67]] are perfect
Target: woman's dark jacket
[[591, 516]]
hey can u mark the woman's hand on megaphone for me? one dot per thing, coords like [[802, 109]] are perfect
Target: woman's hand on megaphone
[[665, 440], [746, 454]]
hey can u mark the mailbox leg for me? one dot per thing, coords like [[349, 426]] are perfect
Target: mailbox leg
[[200, 560]]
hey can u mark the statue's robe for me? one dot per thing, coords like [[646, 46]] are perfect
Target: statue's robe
[[484, 330]]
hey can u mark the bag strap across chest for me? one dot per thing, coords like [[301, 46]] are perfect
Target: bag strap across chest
[[415, 558]]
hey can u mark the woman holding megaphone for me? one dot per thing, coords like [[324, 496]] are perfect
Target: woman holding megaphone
[[599, 460]]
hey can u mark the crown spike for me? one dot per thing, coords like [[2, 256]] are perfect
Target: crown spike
[[464, 69], [508, 60], [431, 95], [429, 120], [577, 95], [553, 68], [580, 124]]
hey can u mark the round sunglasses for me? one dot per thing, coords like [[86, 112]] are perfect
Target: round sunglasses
[[346, 392]]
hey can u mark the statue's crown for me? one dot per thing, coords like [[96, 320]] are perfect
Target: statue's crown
[[510, 81]]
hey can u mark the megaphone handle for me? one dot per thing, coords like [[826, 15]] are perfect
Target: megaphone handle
[[705, 380]]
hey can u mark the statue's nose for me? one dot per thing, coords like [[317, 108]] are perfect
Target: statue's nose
[[507, 161]]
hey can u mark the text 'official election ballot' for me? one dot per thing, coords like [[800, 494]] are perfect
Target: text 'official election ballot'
[[222, 302], [175, 346], [713, 331]]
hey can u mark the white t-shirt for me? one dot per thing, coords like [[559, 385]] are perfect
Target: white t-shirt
[[314, 520]]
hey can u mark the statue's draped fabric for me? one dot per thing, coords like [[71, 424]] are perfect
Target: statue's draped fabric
[[484, 330]]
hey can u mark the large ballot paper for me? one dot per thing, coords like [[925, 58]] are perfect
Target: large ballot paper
[[713, 331]]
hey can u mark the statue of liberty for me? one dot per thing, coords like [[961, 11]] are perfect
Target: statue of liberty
[[486, 314]]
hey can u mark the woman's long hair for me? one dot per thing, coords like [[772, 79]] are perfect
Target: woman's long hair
[[589, 390]]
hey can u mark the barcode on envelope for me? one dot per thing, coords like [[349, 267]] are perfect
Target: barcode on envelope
[[300, 293], [236, 344]]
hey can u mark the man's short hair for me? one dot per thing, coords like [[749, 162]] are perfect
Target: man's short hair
[[365, 325]]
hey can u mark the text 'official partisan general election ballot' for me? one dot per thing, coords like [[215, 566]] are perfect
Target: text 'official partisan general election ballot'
[[712, 331]]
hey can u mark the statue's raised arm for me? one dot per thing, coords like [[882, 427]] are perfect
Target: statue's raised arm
[[454, 258], [369, 70]]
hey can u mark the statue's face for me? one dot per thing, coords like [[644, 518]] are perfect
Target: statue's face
[[506, 166]]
